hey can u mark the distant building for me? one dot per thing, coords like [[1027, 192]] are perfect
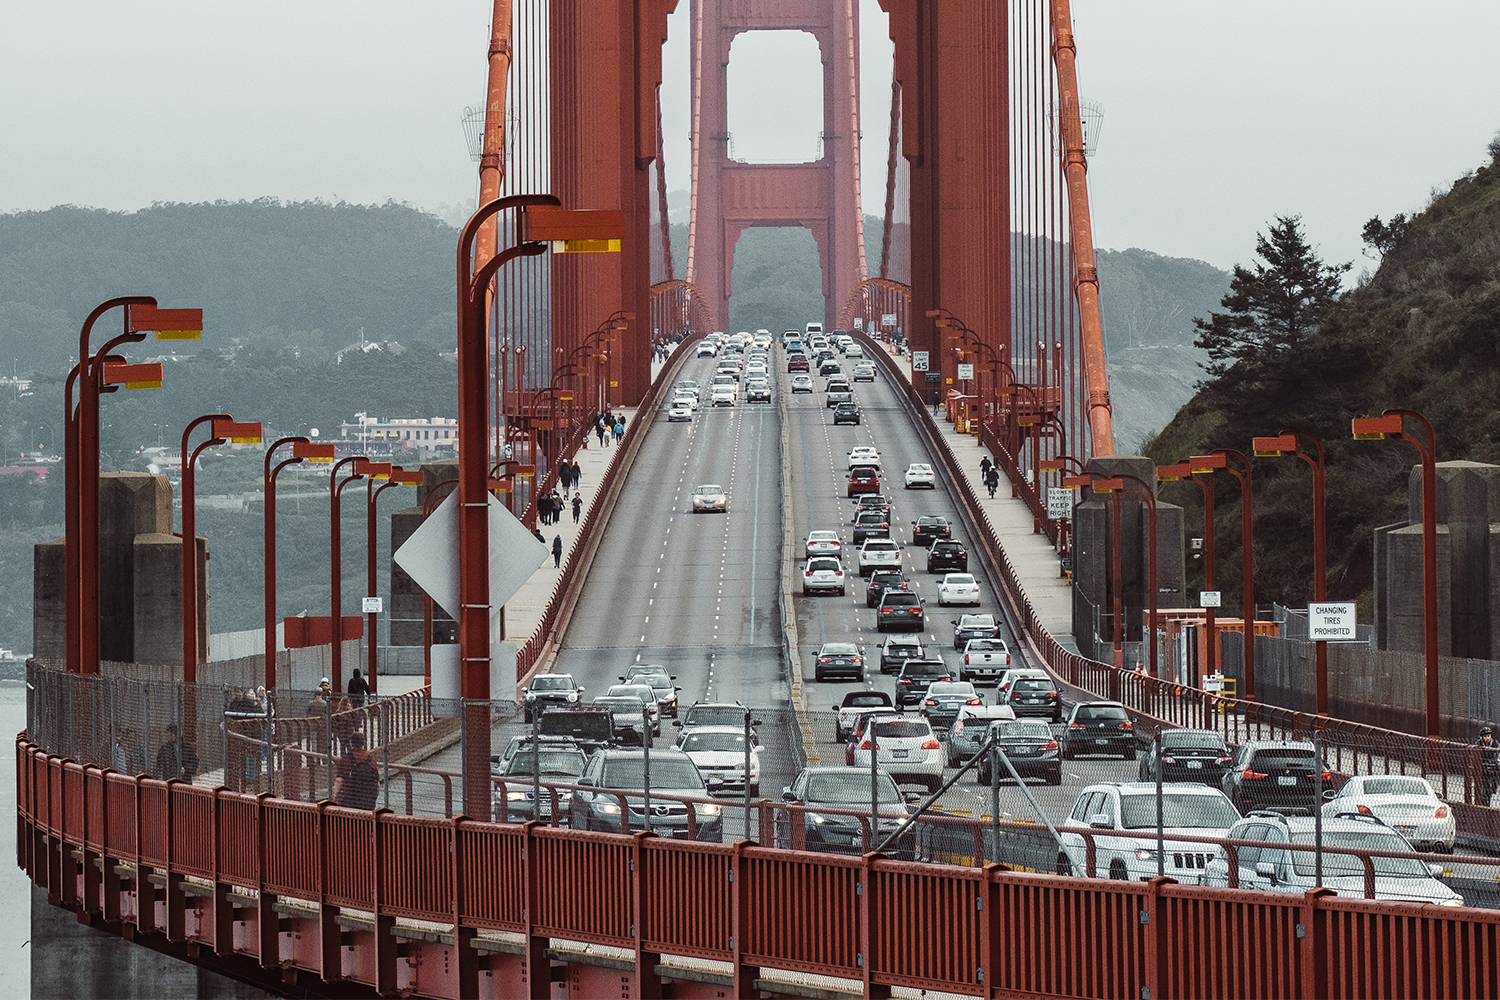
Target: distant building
[[426, 436]]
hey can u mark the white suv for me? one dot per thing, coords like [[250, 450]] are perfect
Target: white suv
[[1130, 808], [908, 750], [879, 553]]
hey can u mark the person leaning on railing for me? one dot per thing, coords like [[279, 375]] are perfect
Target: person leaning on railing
[[177, 758]]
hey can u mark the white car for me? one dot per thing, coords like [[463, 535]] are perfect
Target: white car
[[681, 409], [1405, 803], [710, 497], [721, 397], [824, 543], [920, 474], [984, 660], [853, 350], [958, 588], [646, 696], [719, 752], [1270, 869], [823, 573], [802, 383], [755, 370], [864, 372], [707, 349], [1130, 808], [906, 748], [864, 456], [879, 553]]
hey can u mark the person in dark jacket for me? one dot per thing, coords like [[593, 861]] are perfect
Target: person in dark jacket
[[177, 758], [577, 507], [556, 551], [358, 777], [358, 689]]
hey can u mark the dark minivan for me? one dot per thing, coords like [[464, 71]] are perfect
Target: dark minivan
[[591, 728], [1099, 727]]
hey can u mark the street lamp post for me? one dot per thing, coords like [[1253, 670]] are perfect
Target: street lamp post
[[336, 568], [1393, 422], [190, 545], [302, 450], [1148, 497], [1204, 465], [1272, 447], [1247, 563], [397, 476]]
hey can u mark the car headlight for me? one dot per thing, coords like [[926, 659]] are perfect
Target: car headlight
[[706, 809], [572, 695], [817, 819], [530, 696], [1145, 854], [515, 796], [609, 808]]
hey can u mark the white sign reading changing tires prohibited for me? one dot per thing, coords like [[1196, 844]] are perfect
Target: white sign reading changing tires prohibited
[[1331, 623]]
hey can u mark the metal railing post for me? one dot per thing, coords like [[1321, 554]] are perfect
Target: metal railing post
[[328, 730], [1161, 845], [1317, 810]]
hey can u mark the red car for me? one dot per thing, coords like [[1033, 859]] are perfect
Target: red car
[[797, 363], [863, 480]]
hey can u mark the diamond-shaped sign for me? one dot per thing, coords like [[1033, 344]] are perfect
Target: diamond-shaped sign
[[430, 555]]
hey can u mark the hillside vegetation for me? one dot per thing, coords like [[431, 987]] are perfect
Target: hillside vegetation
[[1422, 333]]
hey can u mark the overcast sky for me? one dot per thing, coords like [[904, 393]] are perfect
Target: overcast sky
[[1217, 116]]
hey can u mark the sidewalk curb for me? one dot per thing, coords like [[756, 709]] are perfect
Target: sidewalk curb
[[789, 633]]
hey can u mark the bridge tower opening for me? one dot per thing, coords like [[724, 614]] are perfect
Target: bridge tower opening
[[731, 195]]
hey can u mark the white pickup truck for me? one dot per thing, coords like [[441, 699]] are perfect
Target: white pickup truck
[[984, 660]]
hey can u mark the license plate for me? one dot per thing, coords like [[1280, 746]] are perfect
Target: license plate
[[1195, 765], [1287, 780], [1407, 829], [1022, 752], [900, 754], [1101, 742]]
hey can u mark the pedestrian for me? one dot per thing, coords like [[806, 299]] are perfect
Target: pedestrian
[[619, 430], [992, 480], [358, 690], [577, 507], [577, 475], [177, 758], [128, 756], [544, 508], [556, 551], [565, 475], [359, 779], [537, 534], [318, 707], [599, 430], [1489, 763], [557, 507], [935, 402], [984, 469], [344, 724]]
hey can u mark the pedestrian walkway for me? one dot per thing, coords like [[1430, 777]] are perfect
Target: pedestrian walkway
[[523, 612], [1031, 554]]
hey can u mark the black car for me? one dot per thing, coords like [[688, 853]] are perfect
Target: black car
[[926, 530], [846, 412], [1099, 727], [895, 653], [529, 766], [916, 676], [1031, 696], [880, 582], [1188, 755], [1275, 775], [843, 659], [873, 501], [830, 367], [673, 773], [901, 611], [871, 524], [590, 727], [947, 556], [820, 789], [969, 627], [1029, 746], [944, 700], [550, 691]]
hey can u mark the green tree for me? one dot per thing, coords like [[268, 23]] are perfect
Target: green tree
[[1382, 237], [1270, 307]]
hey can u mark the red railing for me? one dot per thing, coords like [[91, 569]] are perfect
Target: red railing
[[973, 931]]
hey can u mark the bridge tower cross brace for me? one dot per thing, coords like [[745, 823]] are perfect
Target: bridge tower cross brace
[[730, 196]]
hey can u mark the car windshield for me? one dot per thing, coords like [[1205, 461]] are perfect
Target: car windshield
[[962, 579], [1284, 759], [623, 706], [985, 646], [1101, 712], [553, 763], [837, 649], [976, 621], [920, 468], [851, 788], [552, 684], [709, 491], [1337, 865], [715, 715], [827, 565], [866, 698], [589, 725], [1190, 739], [1023, 730], [1212, 812], [880, 546], [693, 742], [1398, 786], [655, 680], [951, 687], [823, 536], [1028, 684], [666, 772], [899, 599], [930, 668], [902, 729], [637, 691], [912, 649]]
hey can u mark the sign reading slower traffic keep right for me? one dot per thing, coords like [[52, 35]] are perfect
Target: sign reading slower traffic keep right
[[1331, 622]]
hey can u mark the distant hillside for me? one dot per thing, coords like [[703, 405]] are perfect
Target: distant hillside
[[1422, 333]]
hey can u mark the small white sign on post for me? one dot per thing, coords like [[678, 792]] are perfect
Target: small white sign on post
[[966, 373], [373, 606], [859, 322], [1331, 623], [1059, 503], [1208, 599], [919, 361], [887, 319]]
